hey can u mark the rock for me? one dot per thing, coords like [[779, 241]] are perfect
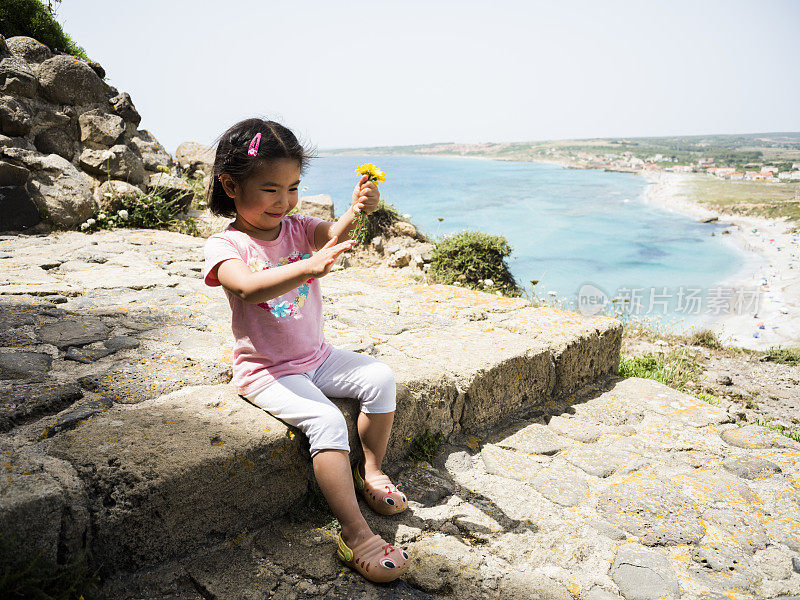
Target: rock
[[15, 116], [751, 467], [193, 156], [15, 142], [724, 380], [17, 210], [86, 355], [796, 564], [320, 206], [11, 175], [643, 574], [655, 510], [536, 439], [100, 127], [121, 342], [507, 463], [55, 140], [77, 331], [405, 228], [17, 78], [61, 192], [73, 418], [169, 186], [24, 365], [152, 152], [774, 563], [753, 436], [577, 429], [28, 49], [377, 244], [118, 162], [122, 105], [561, 487], [424, 485], [401, 258], [439, 563], [66, 79], [26, 401], [527, 586], [298, 549], [109, 194]]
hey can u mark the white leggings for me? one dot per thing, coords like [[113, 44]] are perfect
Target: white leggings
[[301, 400]]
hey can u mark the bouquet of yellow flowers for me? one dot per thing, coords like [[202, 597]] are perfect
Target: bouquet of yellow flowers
[[361, 230]]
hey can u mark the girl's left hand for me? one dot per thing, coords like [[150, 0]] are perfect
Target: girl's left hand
[[365, 196]]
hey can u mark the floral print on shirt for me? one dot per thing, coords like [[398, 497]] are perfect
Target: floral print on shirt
[[283, 308]]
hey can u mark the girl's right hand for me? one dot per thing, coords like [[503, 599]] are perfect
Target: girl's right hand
[[322, 260]]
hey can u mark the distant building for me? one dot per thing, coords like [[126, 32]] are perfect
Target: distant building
[[769, 169]]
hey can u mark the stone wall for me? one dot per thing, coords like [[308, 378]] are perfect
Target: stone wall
[[63, 132]]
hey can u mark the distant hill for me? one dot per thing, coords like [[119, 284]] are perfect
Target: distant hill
[[733, 150]]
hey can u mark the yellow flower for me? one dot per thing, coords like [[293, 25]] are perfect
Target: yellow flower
[[375, 174]]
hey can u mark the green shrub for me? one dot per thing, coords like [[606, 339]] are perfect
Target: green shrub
[[155, 210], [471, 257], [705, 337], [425, 446], [674, 369], [33, 19], [786, 356]]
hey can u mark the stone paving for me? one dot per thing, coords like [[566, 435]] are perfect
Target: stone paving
[[558, 480]]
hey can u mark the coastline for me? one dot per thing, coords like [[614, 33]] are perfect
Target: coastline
[[772, 261], [772, 267]]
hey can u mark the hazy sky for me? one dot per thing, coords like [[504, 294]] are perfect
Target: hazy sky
[[345, 74]]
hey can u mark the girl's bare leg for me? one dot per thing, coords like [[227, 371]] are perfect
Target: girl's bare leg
[[332, 470], [374, 430]]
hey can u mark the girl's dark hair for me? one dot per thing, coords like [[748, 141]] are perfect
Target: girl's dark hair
[[277, 142]]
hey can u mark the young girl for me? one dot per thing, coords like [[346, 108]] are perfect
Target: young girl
[[269, 264]]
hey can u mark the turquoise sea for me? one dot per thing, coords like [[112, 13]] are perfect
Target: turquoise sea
[[569, 229]]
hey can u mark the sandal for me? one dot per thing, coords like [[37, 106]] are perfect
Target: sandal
[[380, 493], [375, 559]]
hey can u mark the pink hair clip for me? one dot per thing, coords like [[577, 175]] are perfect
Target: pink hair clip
[[253, 149]]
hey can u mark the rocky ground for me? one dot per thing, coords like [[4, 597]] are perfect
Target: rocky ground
[[631, 490], [750, 385], [634, 492]]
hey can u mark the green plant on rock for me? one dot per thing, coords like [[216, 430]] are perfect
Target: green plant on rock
[[378, 222], [705, 337], [159, 209], [425, 446], [470, 258], [33, 19]]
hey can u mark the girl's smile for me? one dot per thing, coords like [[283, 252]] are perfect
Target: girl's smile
[[265, 197]]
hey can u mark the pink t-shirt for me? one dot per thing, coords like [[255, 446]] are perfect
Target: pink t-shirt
[[282, 336]]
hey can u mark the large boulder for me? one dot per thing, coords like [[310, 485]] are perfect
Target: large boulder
[[11, 174], [118, 162], [168, 186], [152, 152], [17, 78], [61, 192], [100, 127], [28, 49], [55, 140], [68, 80], [15, 116], [193, 156], [110, 194]]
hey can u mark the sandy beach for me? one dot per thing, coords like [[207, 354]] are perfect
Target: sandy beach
[[772, 268]]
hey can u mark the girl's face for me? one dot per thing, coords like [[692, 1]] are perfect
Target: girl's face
[[265, 198]]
